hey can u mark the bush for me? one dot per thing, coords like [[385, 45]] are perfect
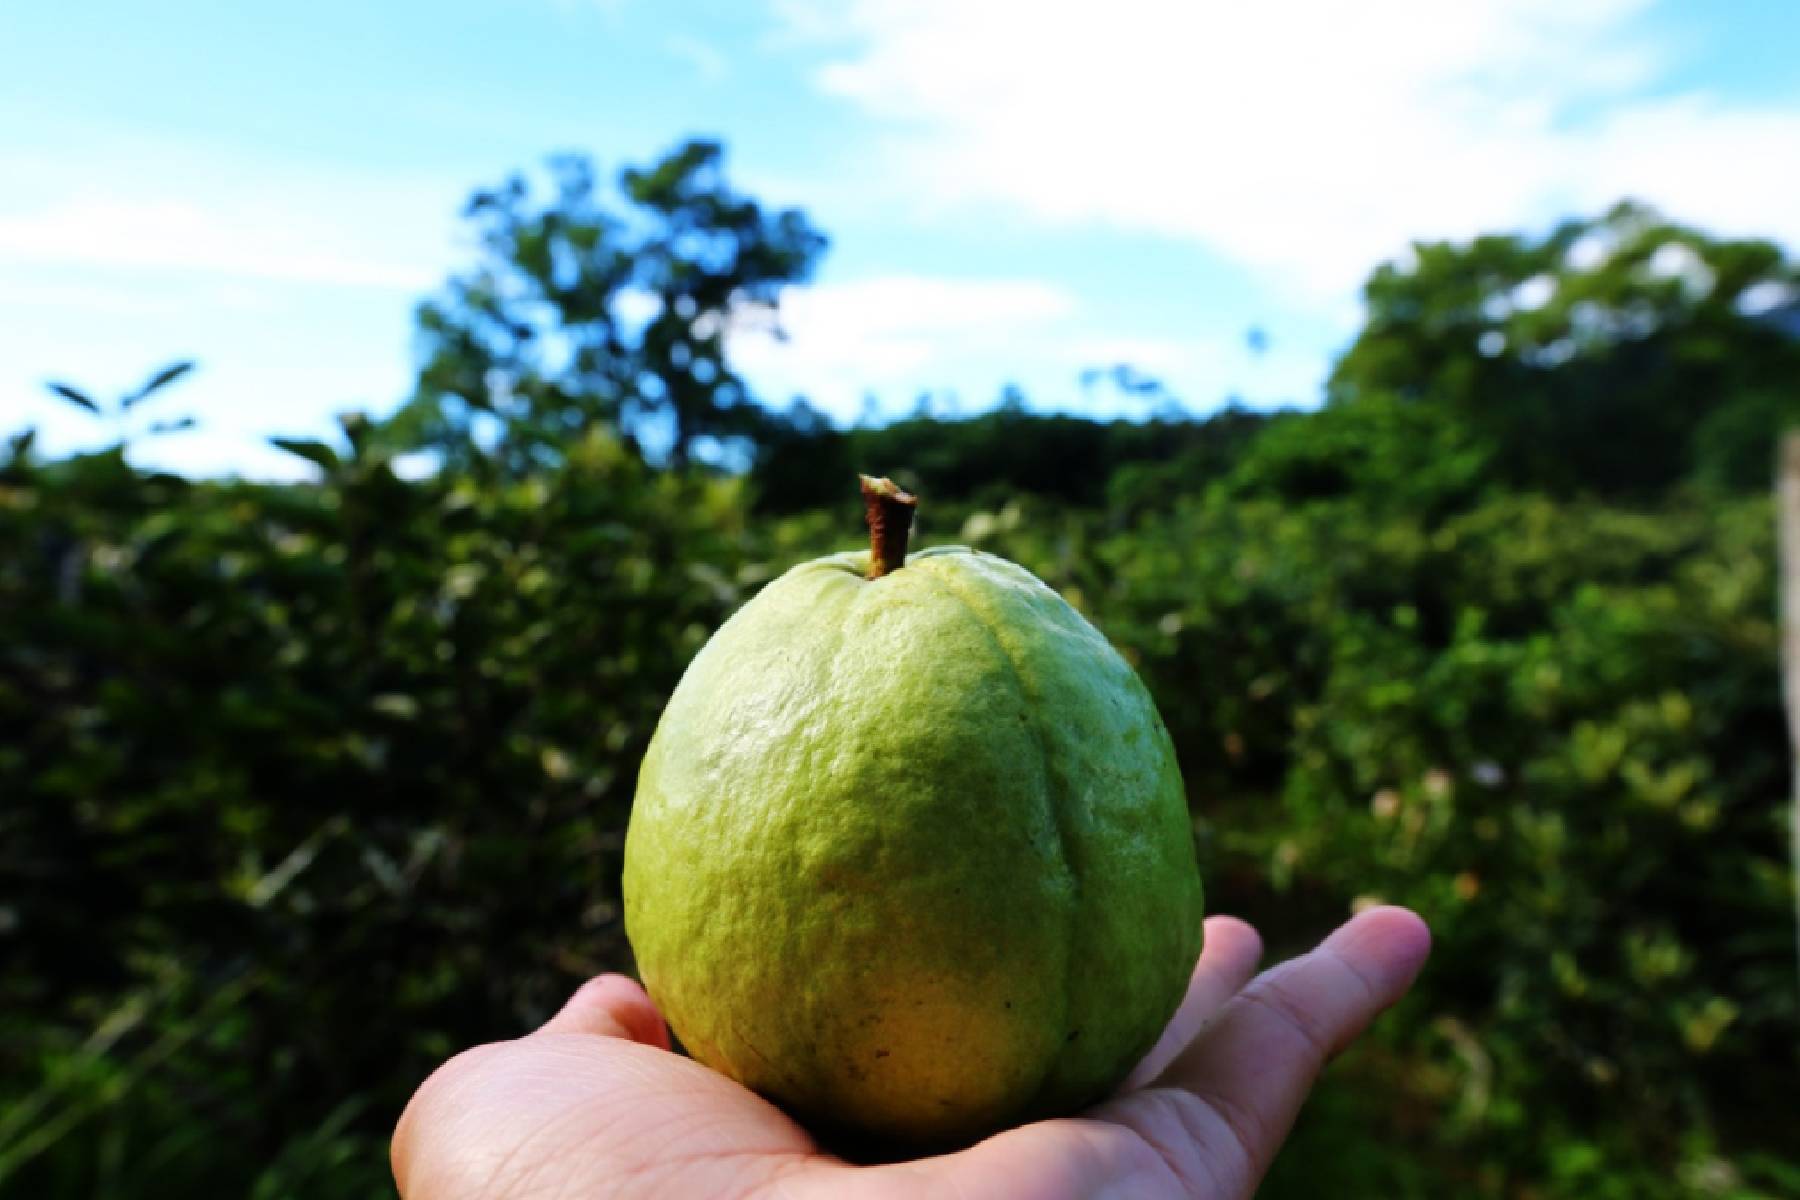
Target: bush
[[303, 788], [308, 787], [1553, 728]]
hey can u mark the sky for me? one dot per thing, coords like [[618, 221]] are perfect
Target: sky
[[1015, 190]]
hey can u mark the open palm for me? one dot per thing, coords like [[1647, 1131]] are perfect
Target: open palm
[[594, 1103]]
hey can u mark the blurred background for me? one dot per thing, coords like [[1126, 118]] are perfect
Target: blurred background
[[394, 398]]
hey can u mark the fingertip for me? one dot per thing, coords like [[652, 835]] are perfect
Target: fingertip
[[629, 1004], [646, 1020], [1230, 948], [1234, 934], [612, 1006], [1402, 930], [1387, 942]]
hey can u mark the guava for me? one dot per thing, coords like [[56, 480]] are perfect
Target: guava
[[910, 853]]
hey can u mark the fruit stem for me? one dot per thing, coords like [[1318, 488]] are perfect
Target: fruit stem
[[890, 513]]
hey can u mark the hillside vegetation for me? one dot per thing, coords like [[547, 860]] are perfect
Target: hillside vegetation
[[305, 786]]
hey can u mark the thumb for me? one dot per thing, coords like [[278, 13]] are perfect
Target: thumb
[[611, 1006]]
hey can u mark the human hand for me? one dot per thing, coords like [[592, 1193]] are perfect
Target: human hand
[[595, 1104]]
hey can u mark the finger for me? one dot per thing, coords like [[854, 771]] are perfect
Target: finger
[[1228, 960], [1253, 1064], [611, 1006]]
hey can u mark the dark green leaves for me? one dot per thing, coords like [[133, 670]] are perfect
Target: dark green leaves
[[19, 447], [74, 396], [116, 417], [156, 383], [313, 451], [365, 735]]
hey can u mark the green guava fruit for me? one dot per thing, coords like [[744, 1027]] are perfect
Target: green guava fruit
[[910, 855]]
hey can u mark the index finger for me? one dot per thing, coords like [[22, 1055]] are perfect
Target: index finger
[[1253, 1064]]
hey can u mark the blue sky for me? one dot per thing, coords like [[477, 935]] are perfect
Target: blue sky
[[1014, 190]]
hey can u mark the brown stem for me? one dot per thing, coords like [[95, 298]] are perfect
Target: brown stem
[[890, 512]]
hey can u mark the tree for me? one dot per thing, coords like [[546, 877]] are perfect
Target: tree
[[1616, 356], [583, 312], [1379, 451]]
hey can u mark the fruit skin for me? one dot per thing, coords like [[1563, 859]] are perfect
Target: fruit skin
[[911, 856]]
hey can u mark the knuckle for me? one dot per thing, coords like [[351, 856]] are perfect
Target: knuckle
[[1273, 996]]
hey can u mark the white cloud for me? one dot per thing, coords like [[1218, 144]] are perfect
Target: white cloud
[[149, 209], [184, 235], [1158, 356], [895, 335], [1308, 139], [1202, 371], [290, 281]]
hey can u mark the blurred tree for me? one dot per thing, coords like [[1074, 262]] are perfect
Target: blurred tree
[[1007, 451], [802, 460], [1383, 452], [580, 313], [1614, 356]]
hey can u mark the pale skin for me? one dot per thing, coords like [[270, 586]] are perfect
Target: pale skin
[[595, 1104]]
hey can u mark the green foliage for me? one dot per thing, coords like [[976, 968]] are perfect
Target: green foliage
[[1384, 451], [1616, 356], [582, 314], [304, 787], [997, 455], [1553, 728], [356, 756]]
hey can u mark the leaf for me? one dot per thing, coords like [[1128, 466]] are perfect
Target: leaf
[[74, 396], [21, 444], [313, 451], [357, 427], [394, 704], [157, 382]]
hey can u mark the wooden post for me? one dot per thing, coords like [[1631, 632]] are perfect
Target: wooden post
[[1787, 506]]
